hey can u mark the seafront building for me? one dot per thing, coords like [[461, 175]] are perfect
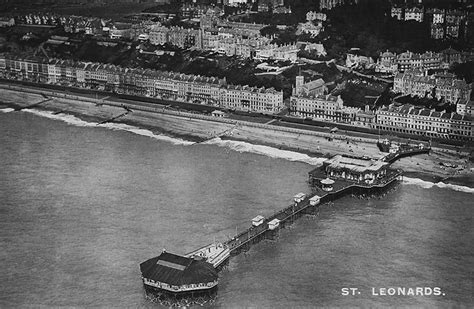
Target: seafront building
[[399, 119], [309, 100], [409, 119], [322, 108], [140, 82]]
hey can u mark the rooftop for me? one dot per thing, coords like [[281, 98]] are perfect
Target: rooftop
[[354, 164], [177, 270]]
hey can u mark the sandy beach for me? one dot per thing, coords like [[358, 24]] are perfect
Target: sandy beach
[[200, 128]]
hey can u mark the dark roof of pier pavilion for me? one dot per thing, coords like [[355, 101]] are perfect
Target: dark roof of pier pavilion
[[178, 270]]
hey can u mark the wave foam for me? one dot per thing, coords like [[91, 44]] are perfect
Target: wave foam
[[427, 185], [6, 110], [145, 132], [266, 151], [73, 120]]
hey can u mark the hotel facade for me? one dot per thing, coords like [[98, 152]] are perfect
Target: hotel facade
[[409, 119]]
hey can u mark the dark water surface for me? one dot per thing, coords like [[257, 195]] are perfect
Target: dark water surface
[[81, 207]]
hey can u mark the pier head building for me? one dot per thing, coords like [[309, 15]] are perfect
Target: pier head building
[[355, 169], [174, 274], [343, 175]]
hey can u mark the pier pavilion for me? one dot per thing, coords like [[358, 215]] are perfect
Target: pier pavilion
[[176, 274], [341, 172], [355, 169]]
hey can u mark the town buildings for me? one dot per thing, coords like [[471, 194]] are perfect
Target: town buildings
[[391, 63], [437, 31], [397, 12], [415, 14], [195, 11], [437, 15], [282, 10], [439, 86], [409, 119], [406, 14], [310, 28], [314, 87], [317, 48], [330, 4], [386, 63], [312, 15], [321, 108], [444, 24], [234, 2], [178, 36], [469, 109], [7, 21], [355, 58], [309, 100], [140, 82], [273, 51]]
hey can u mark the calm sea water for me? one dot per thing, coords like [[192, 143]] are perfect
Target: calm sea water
[[81, 206]]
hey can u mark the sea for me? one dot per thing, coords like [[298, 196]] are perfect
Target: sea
[[82, 205]]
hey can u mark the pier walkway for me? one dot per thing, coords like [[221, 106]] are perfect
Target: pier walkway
[[243, 240], [348, 182], [406, 151]]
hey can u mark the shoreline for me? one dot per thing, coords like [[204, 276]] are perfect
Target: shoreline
[[199, 128]]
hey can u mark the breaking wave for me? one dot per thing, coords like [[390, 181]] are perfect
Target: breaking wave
[[73, 120], [6, 110], [266, 151], [428, 185]]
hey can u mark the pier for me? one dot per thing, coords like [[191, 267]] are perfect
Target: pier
[[311, 202], [337, 177], [406, 151]]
